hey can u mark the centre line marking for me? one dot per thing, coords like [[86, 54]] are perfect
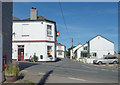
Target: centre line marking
[[76, 79]]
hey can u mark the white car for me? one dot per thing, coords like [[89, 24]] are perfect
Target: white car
[[107, 59]]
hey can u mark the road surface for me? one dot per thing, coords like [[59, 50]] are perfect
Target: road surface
[[69, 71]]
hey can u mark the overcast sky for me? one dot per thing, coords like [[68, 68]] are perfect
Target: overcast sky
[[83, 20]]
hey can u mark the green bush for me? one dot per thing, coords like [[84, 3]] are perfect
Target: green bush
[[73, 57], [12, 70], [35, 58], [81, 58], [49, 55], [89, 55]]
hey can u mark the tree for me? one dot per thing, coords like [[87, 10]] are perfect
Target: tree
[[68, 51]]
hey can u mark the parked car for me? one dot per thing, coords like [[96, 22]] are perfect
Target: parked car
[[107, 59]]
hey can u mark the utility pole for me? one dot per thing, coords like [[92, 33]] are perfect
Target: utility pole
[[72, 47]]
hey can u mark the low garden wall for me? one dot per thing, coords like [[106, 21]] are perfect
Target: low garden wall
[[86, 60]]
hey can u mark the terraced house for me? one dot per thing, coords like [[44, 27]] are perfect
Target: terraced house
[[35, 35]]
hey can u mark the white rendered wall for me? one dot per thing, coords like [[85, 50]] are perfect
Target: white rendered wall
[[101, 46], [36, 31], [81, 49], [62, 48], [40, 48], [74, 49]]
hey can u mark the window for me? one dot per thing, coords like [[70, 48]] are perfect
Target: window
[[41, 56], [59, 53], [85, 48], [25, 30], [84, 54], [49, 30], [106, 58], [49, 49], [94, 54], [112, 57]]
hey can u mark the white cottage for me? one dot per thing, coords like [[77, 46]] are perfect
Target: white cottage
[[60, 50], [97, 47], [35, 35], [73, 51]]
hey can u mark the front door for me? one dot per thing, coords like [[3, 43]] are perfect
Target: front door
[[20, 54]]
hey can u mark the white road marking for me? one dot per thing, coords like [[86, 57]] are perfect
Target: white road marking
[[76, 79], [41, 73], [104, 69], [114, 71]]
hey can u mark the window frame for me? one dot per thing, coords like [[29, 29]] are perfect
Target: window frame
[[94, 54], [49, 30], [59, 52], [85, 48]]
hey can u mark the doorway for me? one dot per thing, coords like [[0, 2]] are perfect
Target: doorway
[[21, 53]]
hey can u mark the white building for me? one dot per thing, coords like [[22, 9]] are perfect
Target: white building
[[5, 36], [60, 50], [97, 47], [73, 51], [35, 35]]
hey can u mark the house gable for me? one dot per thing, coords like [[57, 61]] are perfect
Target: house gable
[[102, 37]]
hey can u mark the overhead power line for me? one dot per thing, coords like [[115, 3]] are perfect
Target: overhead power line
[[63, 15]]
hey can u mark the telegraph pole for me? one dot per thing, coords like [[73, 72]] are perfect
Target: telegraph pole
[[72, 47]]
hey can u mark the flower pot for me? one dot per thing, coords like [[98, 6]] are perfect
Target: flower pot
[[11, 78]]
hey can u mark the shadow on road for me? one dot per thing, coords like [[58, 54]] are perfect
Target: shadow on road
[[24, 65], [58, 59], [45, 77]]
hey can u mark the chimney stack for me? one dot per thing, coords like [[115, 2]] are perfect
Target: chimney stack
[[33, 14]]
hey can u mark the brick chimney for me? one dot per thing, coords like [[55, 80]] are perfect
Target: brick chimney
[[33, 14]]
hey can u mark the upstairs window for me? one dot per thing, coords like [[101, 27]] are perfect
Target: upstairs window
[[85, 48], [49, 30], [59, 47]]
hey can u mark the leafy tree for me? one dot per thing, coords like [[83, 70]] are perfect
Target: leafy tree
[[68, 51]]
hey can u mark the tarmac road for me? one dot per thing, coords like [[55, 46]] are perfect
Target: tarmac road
[[69, 71]]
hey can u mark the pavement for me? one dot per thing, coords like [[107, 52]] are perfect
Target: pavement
[[66, 71]]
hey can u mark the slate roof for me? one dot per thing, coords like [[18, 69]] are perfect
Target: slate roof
[[15, 18], [59, 44], [39, 18]]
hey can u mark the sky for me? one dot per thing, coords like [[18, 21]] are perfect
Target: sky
[[84, 20]]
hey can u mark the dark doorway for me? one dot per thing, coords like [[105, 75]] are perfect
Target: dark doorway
[[21, 53]]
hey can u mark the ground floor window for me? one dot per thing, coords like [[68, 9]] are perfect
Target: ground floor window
[[59, 53], [94, 54], [49, 50], [41, 56], [84, 54]]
